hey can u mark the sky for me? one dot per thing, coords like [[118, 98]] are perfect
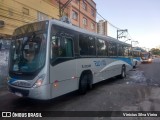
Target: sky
[[140, 17]]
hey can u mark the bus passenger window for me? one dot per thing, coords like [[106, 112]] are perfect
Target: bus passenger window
[[54, 47], [87, 45], [61, 47], [68, 47]]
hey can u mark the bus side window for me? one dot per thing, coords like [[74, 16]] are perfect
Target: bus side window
[[66, 47], [87, 45], [69, 47], [54, 47], [61, 47]]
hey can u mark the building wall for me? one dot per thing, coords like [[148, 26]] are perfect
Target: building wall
[[87, 15], [102, 27], [13, 13], [77, 6]]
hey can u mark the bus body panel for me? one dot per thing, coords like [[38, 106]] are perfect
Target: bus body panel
[[137, 61], [62, 74], [65, 76], [41, 93], [146, 57]]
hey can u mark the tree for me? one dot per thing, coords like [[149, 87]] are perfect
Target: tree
[[155, 51]]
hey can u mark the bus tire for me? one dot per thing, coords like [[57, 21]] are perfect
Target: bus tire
[[135, 65], [123, 72], [83, 84], [90, 81]]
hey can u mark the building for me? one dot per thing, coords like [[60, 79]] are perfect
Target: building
[[14, 13], [82, 13], [102, 27]]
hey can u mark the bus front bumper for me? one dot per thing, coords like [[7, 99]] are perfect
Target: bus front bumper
[[41, 93]]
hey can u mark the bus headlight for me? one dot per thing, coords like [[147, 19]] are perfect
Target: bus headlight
[[39, 81], [150, 60]]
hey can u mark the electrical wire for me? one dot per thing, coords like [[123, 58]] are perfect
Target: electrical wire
[[108, 22], [128, 36]]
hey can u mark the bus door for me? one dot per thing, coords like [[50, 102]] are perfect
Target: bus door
[[62, 62]]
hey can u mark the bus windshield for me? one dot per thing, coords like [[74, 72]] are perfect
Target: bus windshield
[[146, 55], [28, 48]]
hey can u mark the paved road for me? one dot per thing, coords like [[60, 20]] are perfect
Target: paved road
[[152, 71], [139, 91]]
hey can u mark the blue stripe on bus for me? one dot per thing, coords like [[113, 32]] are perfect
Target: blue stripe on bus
[[125, 59], [11, 80], [138, 58]]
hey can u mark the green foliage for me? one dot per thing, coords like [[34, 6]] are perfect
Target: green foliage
[[155, 51]]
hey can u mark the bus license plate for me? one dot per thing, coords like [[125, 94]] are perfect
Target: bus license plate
[[18, 94]]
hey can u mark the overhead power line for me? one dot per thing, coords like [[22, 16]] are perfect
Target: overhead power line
[[127, 36], [108, 22]]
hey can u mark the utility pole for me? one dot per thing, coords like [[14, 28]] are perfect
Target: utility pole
[[133, 41], [127, 40], [120, 33], [62, 7], [132, 46]]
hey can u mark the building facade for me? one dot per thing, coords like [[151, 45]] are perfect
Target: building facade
[[82, 13], [14, 13], [102, 27]]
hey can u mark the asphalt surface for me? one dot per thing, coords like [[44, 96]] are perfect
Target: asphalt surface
[[139, 91]]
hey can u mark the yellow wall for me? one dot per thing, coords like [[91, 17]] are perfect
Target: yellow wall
[[11, 12]]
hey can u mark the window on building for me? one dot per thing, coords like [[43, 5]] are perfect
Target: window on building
[[102, 48], [87, 45], [92, 26], [42, 16], [84, 21], [92, 12], [25, 11], [74, 15], [84, 5]]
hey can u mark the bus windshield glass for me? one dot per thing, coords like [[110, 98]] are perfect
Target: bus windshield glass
[[28, 48]]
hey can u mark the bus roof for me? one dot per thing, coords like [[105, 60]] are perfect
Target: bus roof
[[81, 30], [75, 28]]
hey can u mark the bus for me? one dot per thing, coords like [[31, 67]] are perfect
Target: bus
[[136, 54], [146, 57], [51, 58]]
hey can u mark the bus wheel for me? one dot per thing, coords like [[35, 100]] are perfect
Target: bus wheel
[[83, 84], [123, 72], [135, 65], [90, 78]]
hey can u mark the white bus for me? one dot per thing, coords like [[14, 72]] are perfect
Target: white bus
[[136, 54], [146, 57], [51, 58]]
